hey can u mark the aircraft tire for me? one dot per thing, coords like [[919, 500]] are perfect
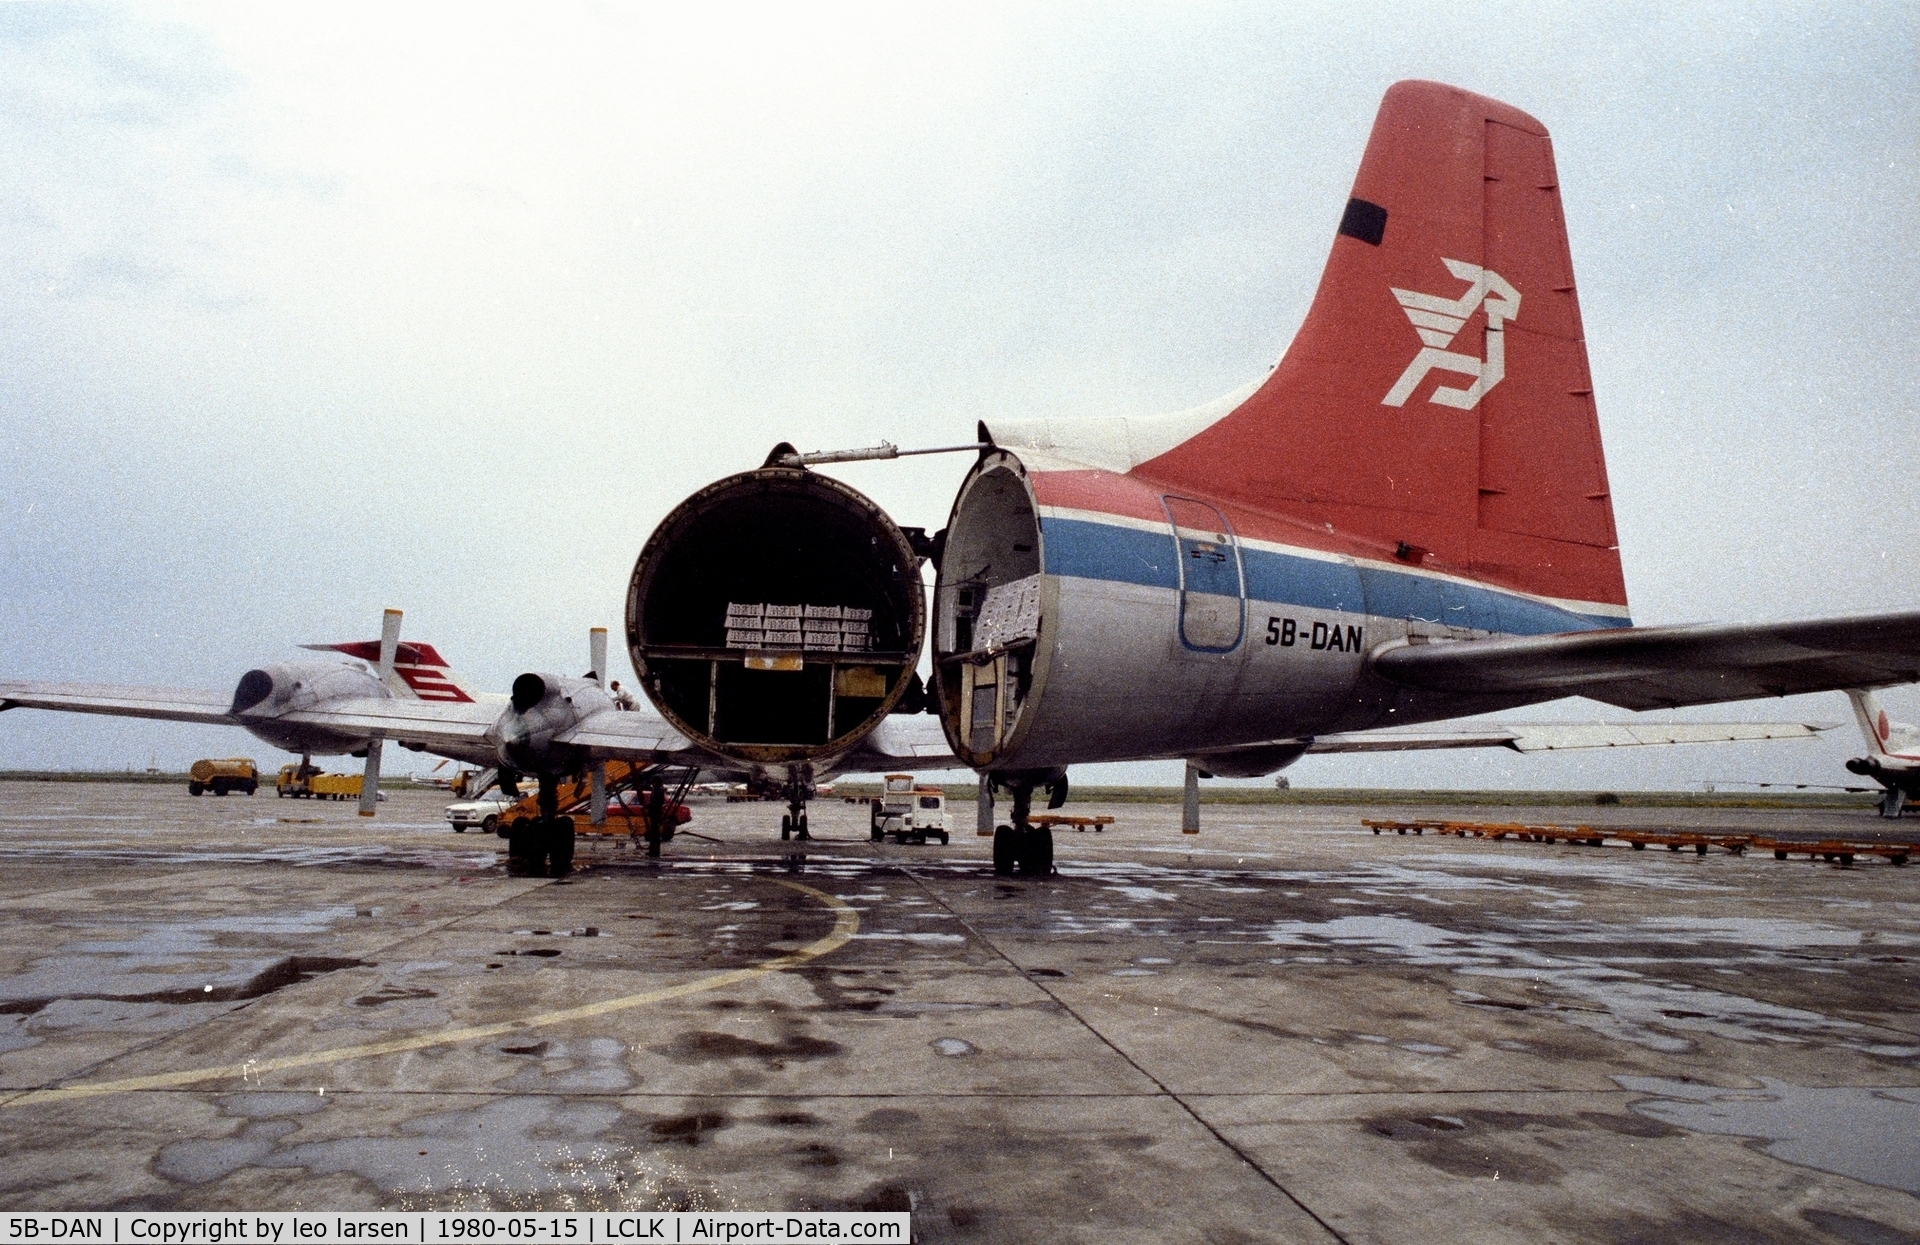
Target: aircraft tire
[[800, 828], [1005, 856], [522, 837], [559, 842], [1042, 853], [786, 826]]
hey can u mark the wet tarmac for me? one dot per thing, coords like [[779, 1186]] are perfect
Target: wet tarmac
[[1285, 1028]]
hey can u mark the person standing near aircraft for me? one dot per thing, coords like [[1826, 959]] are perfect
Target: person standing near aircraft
[[622, 698]]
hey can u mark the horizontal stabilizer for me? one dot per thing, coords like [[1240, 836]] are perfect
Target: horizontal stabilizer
[[1667, 667]]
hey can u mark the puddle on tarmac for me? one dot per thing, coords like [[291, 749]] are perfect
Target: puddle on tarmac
[[1870, 1134], [132, 977], [1631, 1007], [503, 1151]]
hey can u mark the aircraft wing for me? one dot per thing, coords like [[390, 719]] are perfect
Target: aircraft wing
[[901, 741], [169, 704], [607, 735], [631, 735], [1558, 736], [1667, 667], [430, 723]]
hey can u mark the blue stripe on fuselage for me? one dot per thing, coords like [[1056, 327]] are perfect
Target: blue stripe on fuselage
[[1089, 550]]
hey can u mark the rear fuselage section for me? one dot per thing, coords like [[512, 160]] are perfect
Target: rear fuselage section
[[1086, 615]]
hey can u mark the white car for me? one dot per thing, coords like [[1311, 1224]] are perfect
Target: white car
[[482, 814]]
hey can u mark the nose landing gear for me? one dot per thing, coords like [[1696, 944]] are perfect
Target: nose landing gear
[[799, 789]]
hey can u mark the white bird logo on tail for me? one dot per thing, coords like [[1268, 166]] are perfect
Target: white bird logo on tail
[[1439, 320]]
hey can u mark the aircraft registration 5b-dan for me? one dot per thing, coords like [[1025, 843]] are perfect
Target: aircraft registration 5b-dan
[[1405, 522]]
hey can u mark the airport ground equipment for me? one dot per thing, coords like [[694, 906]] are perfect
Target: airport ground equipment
[[909, 812], [641, 801], [1073, 821], [223, 775], [1836, 851], [303, 781]]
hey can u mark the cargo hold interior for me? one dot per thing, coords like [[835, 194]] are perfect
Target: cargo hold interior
[[778, 615]]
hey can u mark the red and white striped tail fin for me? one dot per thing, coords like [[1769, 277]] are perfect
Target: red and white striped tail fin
[[419, 672]]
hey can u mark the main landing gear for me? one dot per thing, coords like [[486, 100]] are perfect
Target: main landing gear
[[799, 789], [1021, 847], [542, 846]]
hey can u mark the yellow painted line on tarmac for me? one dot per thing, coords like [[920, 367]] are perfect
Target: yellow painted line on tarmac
[[846, 923]]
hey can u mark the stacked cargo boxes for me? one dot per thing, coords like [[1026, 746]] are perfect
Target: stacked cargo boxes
[[855, 629], [814, 628], [746, 625]]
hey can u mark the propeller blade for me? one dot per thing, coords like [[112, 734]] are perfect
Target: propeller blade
[[389, 644], [389, 649], [597, 649]]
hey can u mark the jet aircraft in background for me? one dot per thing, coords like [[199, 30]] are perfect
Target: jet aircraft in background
[[550, 726], [1893, 753]]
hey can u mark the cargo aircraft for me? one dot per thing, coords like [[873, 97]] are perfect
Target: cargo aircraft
[[1406, 521]]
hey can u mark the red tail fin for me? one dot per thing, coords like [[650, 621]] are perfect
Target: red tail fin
[[1437, 396], [419, 672]]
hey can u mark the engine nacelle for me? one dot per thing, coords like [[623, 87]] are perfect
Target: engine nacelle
[[1867, 767], [266, 695], [541, 708], [776, 616]]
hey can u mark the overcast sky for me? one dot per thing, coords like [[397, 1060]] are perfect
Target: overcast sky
[[307, 313]]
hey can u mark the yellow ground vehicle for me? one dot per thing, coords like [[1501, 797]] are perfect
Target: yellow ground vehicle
[[307, 780], [222, 776]]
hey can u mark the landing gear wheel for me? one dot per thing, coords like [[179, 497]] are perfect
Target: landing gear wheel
[[523, 840], [559, 847], [800, 828], [786, 826], [1034, 852], [1004, 853], [943, 838]]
